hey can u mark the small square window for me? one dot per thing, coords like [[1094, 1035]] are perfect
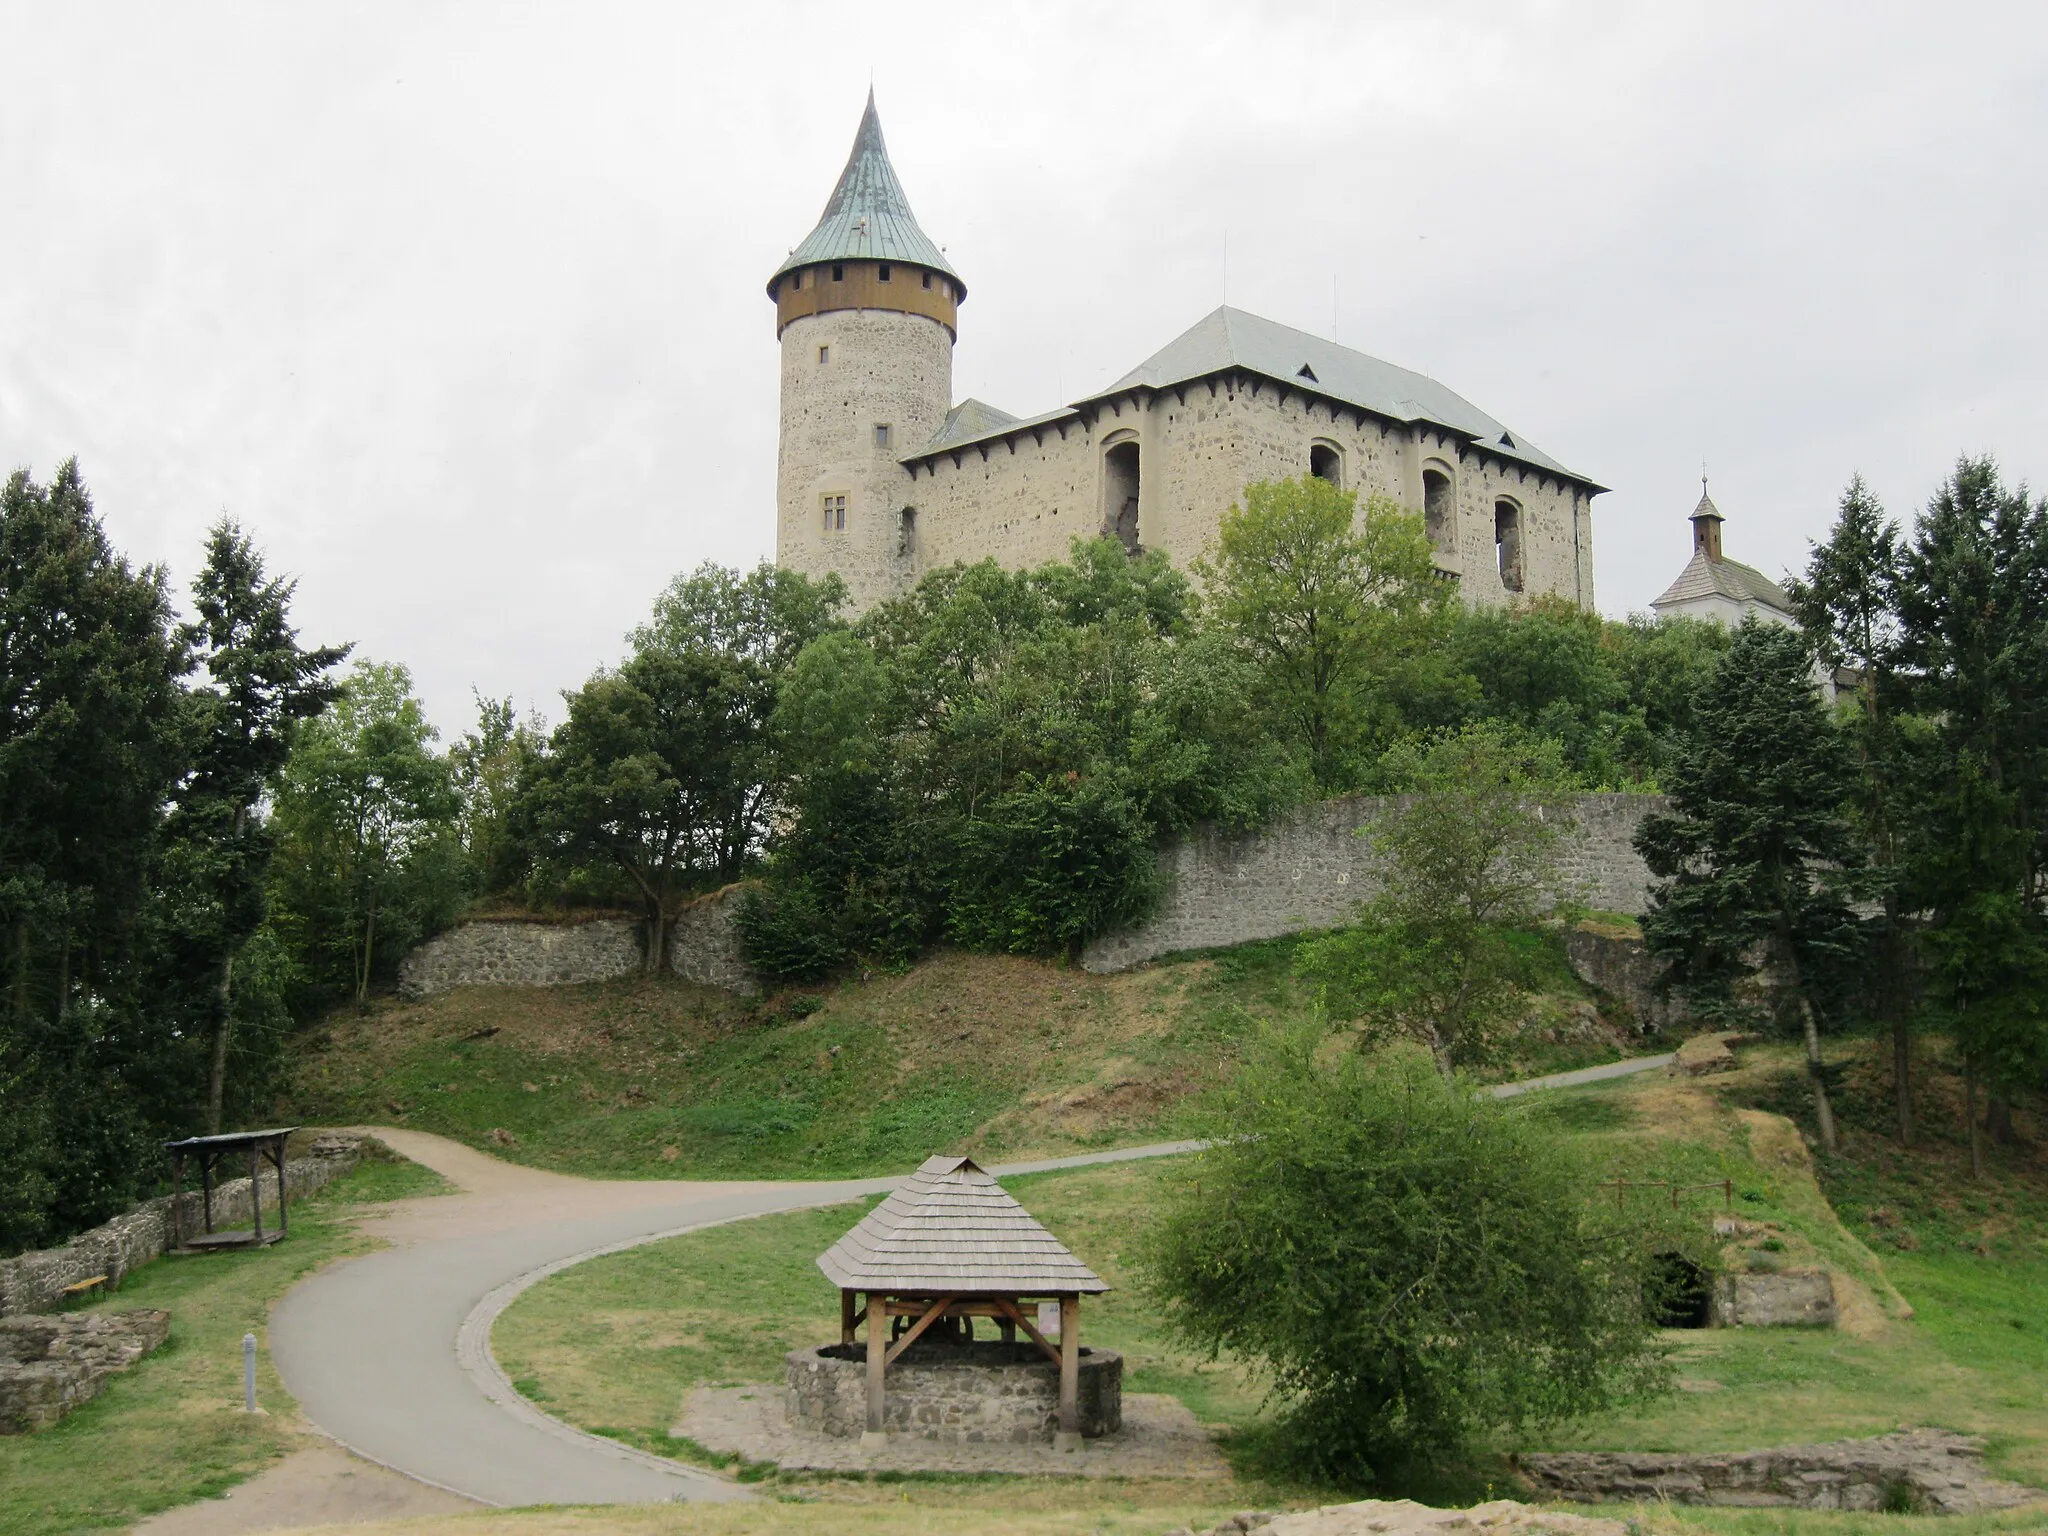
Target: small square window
[[882, 271], [796, 281], [882, 434], [824, 354], [838, 273], [835, 514], [927, 279]]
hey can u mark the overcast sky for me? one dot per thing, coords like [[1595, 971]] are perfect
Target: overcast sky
[[459, 308]]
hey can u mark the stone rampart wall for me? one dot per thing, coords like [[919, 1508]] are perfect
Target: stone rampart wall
[[35, 1281], [703, 946], [1312, 869]]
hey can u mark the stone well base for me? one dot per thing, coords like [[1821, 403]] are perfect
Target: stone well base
[[983, 1393]]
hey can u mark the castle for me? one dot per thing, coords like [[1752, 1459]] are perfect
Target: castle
[[881, 477]]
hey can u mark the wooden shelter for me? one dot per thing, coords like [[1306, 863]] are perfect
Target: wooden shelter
[[948, 1247], [207, 1151]]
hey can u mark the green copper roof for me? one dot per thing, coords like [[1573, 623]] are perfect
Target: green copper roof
[[868, 217]]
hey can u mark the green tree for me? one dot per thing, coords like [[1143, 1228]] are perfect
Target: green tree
[[655, 774], [1973, 609], [260, 684], [1848, 606], [1411, 1264], [1329, 604], [91, 749], [490, 763], [366, 811], [1751, 854], [1468, 859]]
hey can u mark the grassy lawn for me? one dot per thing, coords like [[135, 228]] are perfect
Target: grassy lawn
[[1000, 1056], [615, 1344], [171, 1430]]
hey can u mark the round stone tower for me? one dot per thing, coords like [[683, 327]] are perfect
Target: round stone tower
[[866, 310]]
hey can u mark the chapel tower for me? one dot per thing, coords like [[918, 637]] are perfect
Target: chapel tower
[[866, 310]]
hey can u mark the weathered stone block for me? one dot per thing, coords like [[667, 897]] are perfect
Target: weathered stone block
[[51, 1365], [1794, 1299], [973, 1394]]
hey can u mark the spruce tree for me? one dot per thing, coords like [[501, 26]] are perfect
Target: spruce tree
[[1756, 839], [1848, 607]]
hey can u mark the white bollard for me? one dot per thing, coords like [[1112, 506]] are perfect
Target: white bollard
[[248, 1373]]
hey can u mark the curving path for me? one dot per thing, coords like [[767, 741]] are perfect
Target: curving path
[[390, 1353]]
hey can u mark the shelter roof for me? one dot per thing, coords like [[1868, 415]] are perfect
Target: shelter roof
[[952, 1229], [1705, 576], [228, 1139], [868, 217]]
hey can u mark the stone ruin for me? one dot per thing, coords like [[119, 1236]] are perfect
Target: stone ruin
[[51, 1365], [1930, 1471]]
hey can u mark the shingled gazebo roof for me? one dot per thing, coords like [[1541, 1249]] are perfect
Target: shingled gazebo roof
[[953, 1230]]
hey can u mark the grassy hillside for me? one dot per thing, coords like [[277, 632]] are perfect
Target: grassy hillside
[[998, 1055]]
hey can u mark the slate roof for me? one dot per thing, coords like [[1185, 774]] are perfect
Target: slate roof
[[1704, 577], [952, 1229], [868, 217], [1230, 339]]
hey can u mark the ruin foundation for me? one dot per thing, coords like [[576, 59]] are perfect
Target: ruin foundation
[[983, 1393]]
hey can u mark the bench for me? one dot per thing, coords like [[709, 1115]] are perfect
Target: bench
[[84, 1290]]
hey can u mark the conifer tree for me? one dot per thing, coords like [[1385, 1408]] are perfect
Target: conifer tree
[[1751, 850], [1848, 607]]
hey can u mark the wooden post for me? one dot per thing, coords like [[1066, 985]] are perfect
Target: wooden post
[[878, 1347], [847, 1317], [284, 1224], [177, 1199], [206, 1186], [1069, 1436], [256, 1191]]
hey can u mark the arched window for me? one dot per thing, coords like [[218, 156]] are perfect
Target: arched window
[[1439, 507], [1507, 542], [1120, 484], [1326, 463]]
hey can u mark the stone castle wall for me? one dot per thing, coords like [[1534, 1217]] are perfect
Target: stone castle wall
[[1024, 497], [703, 946], [1312, 869], [35, 1282]]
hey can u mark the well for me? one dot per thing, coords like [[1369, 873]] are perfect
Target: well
[[982, 1393]]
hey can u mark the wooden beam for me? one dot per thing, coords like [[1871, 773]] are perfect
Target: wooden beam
[[878, 1343], [284, 1224], [932, 1314], [1016, 1315], [256, 1189], [849, 1318], [1070, 1368]]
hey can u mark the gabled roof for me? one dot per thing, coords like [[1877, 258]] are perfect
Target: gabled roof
[[1230, 338], [967, 421], [953, 1230], [868, 217], [1707, 577]]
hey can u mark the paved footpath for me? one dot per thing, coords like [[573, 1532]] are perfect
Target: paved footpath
[[390, 1353]]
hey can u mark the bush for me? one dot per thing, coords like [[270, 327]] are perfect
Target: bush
[[1410, 1264]]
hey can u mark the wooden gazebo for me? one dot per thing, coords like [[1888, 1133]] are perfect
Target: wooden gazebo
[[952, 1245], [259, 1147]]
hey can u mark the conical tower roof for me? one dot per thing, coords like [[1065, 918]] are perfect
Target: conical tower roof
[[952, 1230], [868, 218]]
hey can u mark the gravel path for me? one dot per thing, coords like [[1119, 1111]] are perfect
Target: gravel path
[[390, 1353]]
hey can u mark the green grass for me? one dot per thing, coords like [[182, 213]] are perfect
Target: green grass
[[1000, 1056], [170, 1430]]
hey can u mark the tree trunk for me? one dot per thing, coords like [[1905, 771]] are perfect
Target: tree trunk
[[1895, 1004], [223, 1025], [1970, 1115], [1823, 1111], [657, 938], [363, 975]]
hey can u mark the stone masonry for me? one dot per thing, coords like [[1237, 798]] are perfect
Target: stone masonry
[[51, 1365], [1312, 869], [979, 1393], [703, 946], [35, 1282], [1935, 1471], [1791, 1299]]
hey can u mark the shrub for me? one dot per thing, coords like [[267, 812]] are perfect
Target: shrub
[[1408, 1263]]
